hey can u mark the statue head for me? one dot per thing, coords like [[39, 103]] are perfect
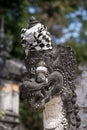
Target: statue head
[[36, 40]]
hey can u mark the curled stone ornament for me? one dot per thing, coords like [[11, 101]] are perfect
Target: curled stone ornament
[[50, 78]]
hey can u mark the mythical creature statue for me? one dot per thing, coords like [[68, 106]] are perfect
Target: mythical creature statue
[[49, 83]]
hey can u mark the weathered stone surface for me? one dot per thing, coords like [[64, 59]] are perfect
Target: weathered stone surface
[[81, 91], [13, 70]]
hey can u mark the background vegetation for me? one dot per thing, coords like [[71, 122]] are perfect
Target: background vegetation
[[58, 16]]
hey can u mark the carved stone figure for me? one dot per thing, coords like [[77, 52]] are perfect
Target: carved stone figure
[[49, 83]]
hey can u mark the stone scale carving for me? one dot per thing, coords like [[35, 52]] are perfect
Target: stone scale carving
[[49, 80]]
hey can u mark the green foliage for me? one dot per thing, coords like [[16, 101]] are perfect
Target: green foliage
[[55, 10], [31, 120], [14, 13]]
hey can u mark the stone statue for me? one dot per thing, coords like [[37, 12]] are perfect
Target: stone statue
[[49, 82]]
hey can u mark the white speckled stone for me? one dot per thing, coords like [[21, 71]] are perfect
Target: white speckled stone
[[53, 114]]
